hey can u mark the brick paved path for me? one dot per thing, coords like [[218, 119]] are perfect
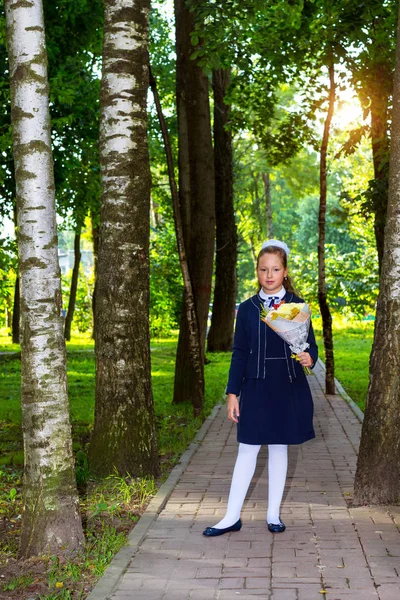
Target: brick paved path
[[329, 549]]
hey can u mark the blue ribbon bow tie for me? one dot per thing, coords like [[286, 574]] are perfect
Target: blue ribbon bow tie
[[272, 300]]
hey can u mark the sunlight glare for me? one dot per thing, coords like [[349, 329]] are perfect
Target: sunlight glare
[[348, 111]]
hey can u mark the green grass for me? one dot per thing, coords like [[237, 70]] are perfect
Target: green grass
[[352, 342], [175, 423]]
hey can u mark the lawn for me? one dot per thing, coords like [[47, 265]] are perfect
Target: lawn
[[175, 423], [352, 342]]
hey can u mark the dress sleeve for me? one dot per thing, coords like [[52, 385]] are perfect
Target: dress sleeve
[[313, 349], [240, 354]]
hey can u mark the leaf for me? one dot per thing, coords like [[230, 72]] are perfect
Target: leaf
[[59, 584]]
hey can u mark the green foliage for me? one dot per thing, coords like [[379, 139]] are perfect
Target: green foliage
[[98, 552], [166, 285], [8, 275], [83, 319], [351, 279], [18, 583], [130, 490]]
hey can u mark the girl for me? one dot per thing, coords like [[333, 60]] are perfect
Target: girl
[[275, 405]]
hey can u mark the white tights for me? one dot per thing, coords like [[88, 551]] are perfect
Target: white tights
[[242, 475]]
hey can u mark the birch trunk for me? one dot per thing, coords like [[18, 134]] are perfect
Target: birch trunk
[[322, 297], [197, 199], [220, 336], [124, 436], [378, 470], [74, 286], [51, 521]]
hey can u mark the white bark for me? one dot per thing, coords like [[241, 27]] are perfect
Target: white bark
[[124, 432], [51, 516]]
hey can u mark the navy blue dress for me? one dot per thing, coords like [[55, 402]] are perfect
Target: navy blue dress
[[276, 405]]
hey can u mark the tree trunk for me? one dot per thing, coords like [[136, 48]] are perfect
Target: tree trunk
[[268, 206], [9, 313], [51, 522], [74, 286], [124, 435], [220, 336], [380, 154], [95, 241], [193, 326], [16, 315], [378, 470], [322, 298], [197, 197]]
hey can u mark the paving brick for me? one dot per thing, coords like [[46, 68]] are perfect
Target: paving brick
[[281, 594], [389, 592], [262, 583], [201, 595], [232, 583]]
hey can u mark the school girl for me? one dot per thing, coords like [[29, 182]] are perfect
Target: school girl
[[268, 394]]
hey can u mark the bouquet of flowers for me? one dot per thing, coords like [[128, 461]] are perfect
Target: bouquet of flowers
[[291, 321]]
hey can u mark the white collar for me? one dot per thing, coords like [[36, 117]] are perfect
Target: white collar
[[279, 295]]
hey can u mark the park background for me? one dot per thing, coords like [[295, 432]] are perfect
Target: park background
[[276, 121]]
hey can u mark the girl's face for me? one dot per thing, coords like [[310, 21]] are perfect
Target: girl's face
[[270, 273]]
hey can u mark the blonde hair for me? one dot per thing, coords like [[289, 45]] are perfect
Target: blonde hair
[[287, 282]]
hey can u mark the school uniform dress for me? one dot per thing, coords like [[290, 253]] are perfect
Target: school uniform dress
[[275, 401]]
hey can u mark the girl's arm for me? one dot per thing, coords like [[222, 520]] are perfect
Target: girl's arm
[[240, 352]]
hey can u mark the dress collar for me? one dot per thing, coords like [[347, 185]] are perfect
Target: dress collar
[[267, 297]]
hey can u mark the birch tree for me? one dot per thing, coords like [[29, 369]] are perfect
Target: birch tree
[[51, 521], [378, 469], [124, 434]]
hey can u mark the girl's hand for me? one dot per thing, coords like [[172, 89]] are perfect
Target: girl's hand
[[305, 359], [233, 408]]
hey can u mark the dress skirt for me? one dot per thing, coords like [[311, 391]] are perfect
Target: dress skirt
[[276, 410]]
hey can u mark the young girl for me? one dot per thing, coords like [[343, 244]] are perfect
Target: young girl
[[268, 394]]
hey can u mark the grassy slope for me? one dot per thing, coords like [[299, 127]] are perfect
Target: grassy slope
[[352, 347], [176, 426]]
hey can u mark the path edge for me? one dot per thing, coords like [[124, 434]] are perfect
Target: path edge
[[118, 565], [342, 392]]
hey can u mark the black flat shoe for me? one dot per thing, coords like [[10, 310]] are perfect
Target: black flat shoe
[[213, 531], [276, 527]]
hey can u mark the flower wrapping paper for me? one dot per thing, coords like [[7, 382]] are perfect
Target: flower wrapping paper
[[293, 331]]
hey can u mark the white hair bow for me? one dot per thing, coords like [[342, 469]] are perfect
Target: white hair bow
[[277, 243]]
